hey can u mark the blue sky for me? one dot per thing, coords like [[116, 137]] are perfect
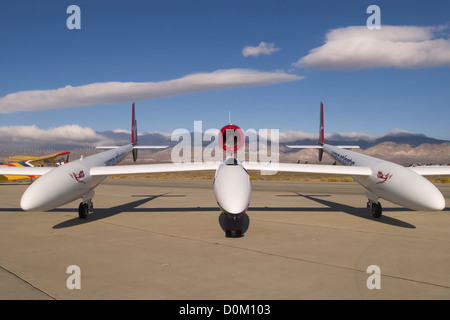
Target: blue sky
[[404, 87]]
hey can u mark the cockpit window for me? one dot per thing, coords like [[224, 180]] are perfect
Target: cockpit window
[[231, 162]]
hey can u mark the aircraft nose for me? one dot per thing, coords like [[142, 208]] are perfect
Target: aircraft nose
[[232, 189], [33, 199], [429, 199], [55, 188], [436, 201], [417, 193], [28, 203]]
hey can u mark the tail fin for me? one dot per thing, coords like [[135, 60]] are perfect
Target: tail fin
[[321, 138], [321, 141], [134, 136], [321, 132], [321, 128]]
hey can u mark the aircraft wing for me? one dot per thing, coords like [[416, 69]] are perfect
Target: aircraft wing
[[152, 168], [19, 158], [135, 147], [50, 156], [24, 171], [431, 170], [33, 159], [309, 168], [179, 167]]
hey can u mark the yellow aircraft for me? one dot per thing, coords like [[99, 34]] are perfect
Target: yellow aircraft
[[29, 161]]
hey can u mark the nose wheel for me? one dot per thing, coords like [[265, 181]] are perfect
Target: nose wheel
[[375, 208], [234, 227]]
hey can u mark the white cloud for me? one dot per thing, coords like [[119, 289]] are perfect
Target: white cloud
[[350, 136], [121, 131], [67, 134], [126, 131], [357, 47], [292, 135], [164, 134], [117, 92], [262, 48]]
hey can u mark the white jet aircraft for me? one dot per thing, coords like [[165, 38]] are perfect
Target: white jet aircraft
[[387, 180], [232, 186], [60, 185]]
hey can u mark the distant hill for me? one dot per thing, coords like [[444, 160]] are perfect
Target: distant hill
[[398, 146], [400, 137]]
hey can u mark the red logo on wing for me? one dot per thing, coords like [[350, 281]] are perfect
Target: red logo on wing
[[78, 177], [383, 177]]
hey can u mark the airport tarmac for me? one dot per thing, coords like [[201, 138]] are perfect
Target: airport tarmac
[[156, 239]]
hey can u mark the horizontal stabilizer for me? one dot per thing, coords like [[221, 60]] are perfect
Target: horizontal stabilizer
[[348, 147], [135, 147], [150, 147], [305, 147], [319, 147]]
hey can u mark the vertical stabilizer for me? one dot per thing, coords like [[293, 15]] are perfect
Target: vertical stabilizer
[[321, 128], [134, 136], [321, 132]]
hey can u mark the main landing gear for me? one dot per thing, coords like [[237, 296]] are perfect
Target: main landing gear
[[86, 206], [84, 209], [373, 205], [375, 208]]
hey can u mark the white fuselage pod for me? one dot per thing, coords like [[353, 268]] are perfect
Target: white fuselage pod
[[391, 181], [69, 182], [232, 188]]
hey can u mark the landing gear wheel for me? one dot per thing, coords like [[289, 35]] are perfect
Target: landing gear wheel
[[233, 233], [83, 210], [234, 227], [375, 208]]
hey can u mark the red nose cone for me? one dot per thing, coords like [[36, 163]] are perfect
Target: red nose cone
[[231, 137]]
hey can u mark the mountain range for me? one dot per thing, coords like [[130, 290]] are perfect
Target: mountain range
[[398, 146], [364, 141]]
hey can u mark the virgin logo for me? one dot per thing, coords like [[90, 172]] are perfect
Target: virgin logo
[[78, 177], [383, 177]]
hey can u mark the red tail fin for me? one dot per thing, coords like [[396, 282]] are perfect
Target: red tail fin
[[321, 129], [321, 132], [134, 136]]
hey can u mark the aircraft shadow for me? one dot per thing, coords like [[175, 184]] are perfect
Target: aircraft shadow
[[102, 213], [354, 211]]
